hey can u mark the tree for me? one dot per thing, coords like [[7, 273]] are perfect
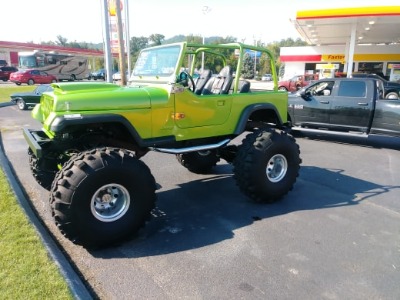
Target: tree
[[62, 41], [138, 43], [156, 39], [248, 67], [194, 39], [275, 48]]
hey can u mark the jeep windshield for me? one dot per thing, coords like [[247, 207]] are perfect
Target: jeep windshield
[[158, 61]]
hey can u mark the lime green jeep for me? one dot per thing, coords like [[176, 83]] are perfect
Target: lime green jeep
[[94, 134]]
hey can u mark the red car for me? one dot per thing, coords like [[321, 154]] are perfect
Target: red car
[[6, 71], [296, 82], [31, 77]]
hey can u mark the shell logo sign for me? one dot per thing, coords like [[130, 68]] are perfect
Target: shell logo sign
[[112, 7], [112, 10]]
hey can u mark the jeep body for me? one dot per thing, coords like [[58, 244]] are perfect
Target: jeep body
[[94, 134], [155, 110]]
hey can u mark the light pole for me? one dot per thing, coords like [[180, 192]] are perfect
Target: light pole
[[255, 59], [127, 37], [205, 10], [106, 40]]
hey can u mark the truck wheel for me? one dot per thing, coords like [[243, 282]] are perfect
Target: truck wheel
[[267, 165], [392, 95], [102, 196], [43, 169], [200, 162]]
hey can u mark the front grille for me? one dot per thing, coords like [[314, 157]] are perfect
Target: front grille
[[46, 103]]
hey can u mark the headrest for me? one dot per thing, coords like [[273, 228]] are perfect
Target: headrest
[[205, 74], [225, 72]]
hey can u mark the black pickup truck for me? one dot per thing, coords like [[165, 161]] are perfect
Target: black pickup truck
[[347, 105]]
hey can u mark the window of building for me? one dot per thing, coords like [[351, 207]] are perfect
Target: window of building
[[370, 67]]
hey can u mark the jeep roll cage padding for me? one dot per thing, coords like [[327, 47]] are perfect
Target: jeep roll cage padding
[[240, 49]]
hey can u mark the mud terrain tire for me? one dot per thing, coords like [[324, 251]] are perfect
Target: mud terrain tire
[[200, 162], [102, 196], [267, 165], [43, 169]]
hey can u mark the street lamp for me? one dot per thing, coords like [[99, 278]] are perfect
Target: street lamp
[[205, 10]]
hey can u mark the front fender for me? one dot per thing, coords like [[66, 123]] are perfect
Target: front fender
[[37, 113]]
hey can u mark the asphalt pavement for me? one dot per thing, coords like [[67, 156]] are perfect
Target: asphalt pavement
[[336, 235]]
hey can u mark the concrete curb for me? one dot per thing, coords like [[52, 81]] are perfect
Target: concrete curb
[[4, 104], [76, 285]]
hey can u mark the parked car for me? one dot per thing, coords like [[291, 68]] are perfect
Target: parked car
[[99, 74], [29, 99], [3, 63], [31, 76], [266, 77], [297, 82], [6, 71], [345, 105], [392, 89], [117, 76]]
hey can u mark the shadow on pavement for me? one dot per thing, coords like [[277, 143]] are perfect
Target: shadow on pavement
[[208, 211]]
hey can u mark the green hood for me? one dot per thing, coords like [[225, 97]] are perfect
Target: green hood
[[101, 96]]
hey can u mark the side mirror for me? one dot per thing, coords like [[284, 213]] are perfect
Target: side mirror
[[305, 94]]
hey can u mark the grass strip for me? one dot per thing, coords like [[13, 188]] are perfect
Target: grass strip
[[26, 270], [7, 90]]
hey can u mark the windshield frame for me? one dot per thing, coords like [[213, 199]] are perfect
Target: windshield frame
[[158, 63]]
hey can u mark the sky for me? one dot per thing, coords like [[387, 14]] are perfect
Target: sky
[[81, 20]]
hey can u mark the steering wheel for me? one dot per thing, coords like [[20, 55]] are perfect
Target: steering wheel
[[183, 78]]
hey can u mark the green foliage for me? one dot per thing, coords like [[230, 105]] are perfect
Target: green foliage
[[61, 41], [194, 39], [138, 43], [275, 48], [248, 67], [264, 64], [156, 39]]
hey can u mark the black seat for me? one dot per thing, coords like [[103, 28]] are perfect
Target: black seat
[[243, 86], [201, 81], [219, 84]]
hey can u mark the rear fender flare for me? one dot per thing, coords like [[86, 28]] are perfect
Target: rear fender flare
[[249, 110]]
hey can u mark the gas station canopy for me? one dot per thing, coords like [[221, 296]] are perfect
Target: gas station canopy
[[350, 27], [371, 25]]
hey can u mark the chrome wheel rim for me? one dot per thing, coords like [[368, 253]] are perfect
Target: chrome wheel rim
[[110, 202], [276, 168], [21, 104]]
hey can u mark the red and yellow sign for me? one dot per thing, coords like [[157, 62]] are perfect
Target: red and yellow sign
[[340, 57], [112, 7], [349, 12]]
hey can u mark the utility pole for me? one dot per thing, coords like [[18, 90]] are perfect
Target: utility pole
[[106, 41], [255, 59], [122, 68], [128, 38]]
